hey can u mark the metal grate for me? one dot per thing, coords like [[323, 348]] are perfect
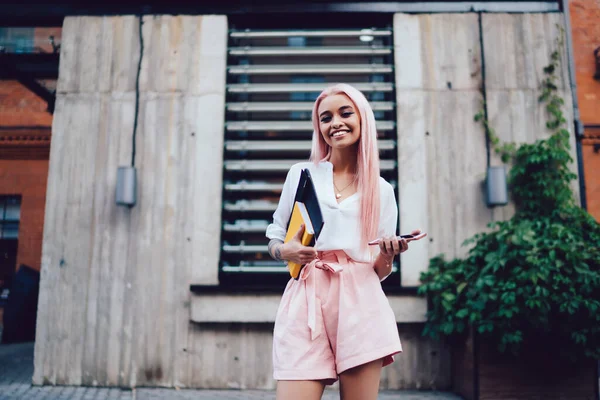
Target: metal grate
[[273, 79]]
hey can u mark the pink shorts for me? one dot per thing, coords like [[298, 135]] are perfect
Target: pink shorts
[[332, 320]]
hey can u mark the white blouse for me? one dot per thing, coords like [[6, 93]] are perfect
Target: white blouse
[[341, 221]]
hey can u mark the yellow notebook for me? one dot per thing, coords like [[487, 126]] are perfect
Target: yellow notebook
[[308, 212], [299, 216]]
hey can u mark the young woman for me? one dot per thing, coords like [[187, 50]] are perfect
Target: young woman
[[335, 321]]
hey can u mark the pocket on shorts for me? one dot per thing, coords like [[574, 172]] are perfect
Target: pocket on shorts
[[292, 316]]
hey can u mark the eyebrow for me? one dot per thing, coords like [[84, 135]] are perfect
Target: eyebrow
[[340, 109]]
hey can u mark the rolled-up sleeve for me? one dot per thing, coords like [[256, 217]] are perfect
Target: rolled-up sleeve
[[388, 221], [278, 228]]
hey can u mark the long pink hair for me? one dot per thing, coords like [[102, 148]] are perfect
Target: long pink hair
[[367, 170]]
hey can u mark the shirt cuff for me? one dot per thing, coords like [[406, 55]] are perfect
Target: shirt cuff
[[275, 232]]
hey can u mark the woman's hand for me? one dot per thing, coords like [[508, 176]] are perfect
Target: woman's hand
[[391, 246], [295, 252]]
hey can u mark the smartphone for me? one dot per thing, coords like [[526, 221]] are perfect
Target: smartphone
[[376, 241]]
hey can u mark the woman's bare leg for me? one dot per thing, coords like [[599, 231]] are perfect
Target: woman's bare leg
[[362, 382], [300, 390]]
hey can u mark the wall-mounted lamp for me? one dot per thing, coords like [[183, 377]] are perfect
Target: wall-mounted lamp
[[126, 190], [366, 35], [496, 191], [126, 186], [597, 57]]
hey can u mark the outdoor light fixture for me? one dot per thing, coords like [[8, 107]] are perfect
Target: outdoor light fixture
[[126, 186], [126, 190], [366, 35], [496, 192], [597, 56]]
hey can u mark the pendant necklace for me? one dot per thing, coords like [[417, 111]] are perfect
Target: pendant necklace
[[339, 192]]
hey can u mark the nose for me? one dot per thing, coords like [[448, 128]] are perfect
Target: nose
[[336, 122]]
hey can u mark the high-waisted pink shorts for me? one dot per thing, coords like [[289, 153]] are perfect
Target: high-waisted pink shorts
[[332, 320]]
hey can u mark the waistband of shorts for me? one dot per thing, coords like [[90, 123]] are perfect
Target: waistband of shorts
[[338, 257], [335, 256]]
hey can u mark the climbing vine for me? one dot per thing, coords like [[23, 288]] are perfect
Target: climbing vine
[[534, 278], [549, 95]]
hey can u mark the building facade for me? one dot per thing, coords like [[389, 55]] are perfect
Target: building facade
[[586, 50], [211, 110]]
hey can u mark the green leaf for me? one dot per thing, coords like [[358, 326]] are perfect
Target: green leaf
[[448, 296]]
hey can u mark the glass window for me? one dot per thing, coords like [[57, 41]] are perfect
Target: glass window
[[17, 40], [10, 215]]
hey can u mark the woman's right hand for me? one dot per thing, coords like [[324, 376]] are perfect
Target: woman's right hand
[[295, 252]]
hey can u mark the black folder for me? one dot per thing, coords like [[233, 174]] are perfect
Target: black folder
[[306, 193]]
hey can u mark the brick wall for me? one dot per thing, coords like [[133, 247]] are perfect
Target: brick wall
[[591, 155], [463, 371], [585, 17], [536, 374], [585, 25], [27, 178], [41, 38], [534, 377], [19, 107]]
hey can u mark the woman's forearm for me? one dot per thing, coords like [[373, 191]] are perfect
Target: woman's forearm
[[383, 265], [275, 247]]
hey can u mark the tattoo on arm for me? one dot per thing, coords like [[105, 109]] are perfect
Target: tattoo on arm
[[278, 252], [275, 249]]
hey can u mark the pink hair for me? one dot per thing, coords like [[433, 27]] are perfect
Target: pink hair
[[367, 170]]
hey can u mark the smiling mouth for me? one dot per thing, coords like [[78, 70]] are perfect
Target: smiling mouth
[[339, 133]]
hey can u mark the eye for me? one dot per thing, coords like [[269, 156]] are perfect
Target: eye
[[325, 119], [346, 114]]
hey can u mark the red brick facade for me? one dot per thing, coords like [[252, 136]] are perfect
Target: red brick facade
[[27, 178], [531, 377], [25, 125], [585, 17], [20, 107], [479, 372]]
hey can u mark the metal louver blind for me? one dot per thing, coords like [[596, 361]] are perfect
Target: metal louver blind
[[273, 79]]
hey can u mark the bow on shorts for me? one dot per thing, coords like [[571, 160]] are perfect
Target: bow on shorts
[[331, 261]]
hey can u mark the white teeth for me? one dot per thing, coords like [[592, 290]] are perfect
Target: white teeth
[[338, 134]]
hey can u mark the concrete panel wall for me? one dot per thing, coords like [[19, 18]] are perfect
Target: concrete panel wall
[[115, 304]]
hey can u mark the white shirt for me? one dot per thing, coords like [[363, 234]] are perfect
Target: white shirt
[[341, 229]]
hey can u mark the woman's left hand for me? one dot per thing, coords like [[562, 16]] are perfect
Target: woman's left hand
[[390, 246]]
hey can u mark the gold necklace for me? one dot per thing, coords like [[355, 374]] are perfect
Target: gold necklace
[[339, 192]]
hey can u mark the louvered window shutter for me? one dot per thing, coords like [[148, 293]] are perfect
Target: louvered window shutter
[[273, 79]]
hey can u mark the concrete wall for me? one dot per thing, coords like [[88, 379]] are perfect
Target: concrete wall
[[115, 303]]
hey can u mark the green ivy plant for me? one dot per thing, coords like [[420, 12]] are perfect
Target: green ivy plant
[[536, 277]]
